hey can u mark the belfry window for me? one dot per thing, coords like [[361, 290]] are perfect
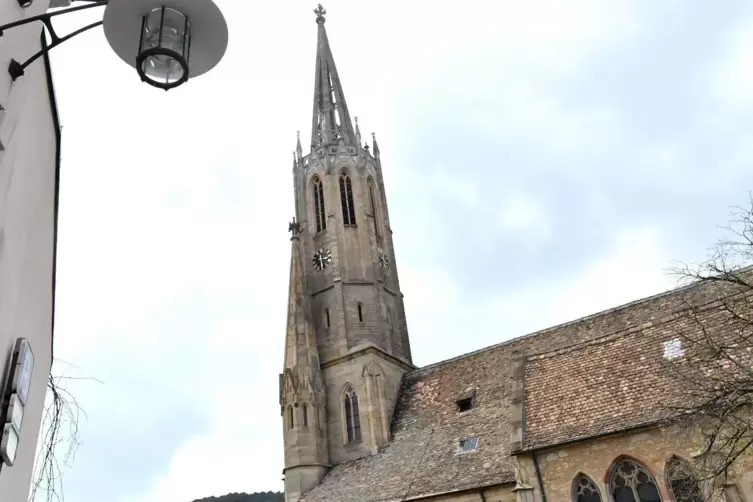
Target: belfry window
[[585, 490], [291, 423], [682, 483], [352, 417], [319, 215], [630, 482], [372, 200], [346, 197], [305, 416]]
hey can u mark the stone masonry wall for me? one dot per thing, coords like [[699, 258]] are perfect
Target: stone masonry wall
[[651, 448], [374, 415]]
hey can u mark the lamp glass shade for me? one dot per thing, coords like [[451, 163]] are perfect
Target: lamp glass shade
[[132, 28], [164, 48]]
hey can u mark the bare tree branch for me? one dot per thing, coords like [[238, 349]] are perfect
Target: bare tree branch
[[59, 438], [715, 374]]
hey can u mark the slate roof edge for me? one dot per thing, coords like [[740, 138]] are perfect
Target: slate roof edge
[[580, 439], [613, 335], [474, 488], [438, 364], [678, 289]]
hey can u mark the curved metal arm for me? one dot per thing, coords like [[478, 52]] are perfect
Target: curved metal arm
[[15, 68]]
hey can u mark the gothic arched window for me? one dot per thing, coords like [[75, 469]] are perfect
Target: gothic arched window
[[631, 482], [372, 201], [682, 483], [290, 417], [352, 417], [346, 197], [319, 216], [585, 490], [305, 416]]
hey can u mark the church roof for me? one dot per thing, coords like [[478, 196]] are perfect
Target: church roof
[[631, 378], [422, 457]]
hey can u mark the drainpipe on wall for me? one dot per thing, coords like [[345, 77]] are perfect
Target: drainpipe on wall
[[538, 476]]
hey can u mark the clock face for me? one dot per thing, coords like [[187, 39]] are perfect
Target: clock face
[[384, 262], [322, 258]]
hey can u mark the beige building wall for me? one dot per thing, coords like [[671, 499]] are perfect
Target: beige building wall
[[651, 448], [27, 222], [375, 377]]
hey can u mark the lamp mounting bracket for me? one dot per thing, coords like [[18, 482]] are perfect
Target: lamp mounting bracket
[[16, 69]]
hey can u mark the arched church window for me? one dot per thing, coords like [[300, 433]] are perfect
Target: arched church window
[[682, 482], [305, 416], [319, 215], [360, 312], [326, 318], [352, 417], [372, 201], [346, 197], [631, 482], [585, 490], [290, 417]]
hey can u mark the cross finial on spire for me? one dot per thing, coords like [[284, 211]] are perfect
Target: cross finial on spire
[[320, 12]]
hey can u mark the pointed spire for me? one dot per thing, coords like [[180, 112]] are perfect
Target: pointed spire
[[358, 133], [376, 146], [300, 343], [298, 148], [331, 122]]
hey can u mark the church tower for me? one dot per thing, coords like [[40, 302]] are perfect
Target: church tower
[[347, 344]]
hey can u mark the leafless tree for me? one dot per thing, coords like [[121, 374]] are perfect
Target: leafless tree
[[59, 437], [714, 376]]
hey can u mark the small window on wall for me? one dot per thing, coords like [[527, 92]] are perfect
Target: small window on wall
[[585, 490], [360, 312], [631, 482], [468, 445], [326, 318], [291, 423], [305, 416], [465, 404], [352, 416], [682, 481]]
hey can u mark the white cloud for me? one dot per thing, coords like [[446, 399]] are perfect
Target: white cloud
[[632, 269], [525, 214], [732, 75]]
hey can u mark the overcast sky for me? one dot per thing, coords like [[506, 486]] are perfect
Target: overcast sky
[[543, 160]]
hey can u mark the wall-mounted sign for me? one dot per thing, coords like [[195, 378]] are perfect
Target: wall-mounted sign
[[15, 413], [8, 444], [23, 369]]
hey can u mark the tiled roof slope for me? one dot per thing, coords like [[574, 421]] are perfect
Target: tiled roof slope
[[620, 381], [420, 460]]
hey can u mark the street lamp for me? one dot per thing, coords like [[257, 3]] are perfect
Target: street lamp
[[166, 41]]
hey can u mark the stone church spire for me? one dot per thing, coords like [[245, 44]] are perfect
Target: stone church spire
[[347, 344], [331, 122], [302, 395]]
